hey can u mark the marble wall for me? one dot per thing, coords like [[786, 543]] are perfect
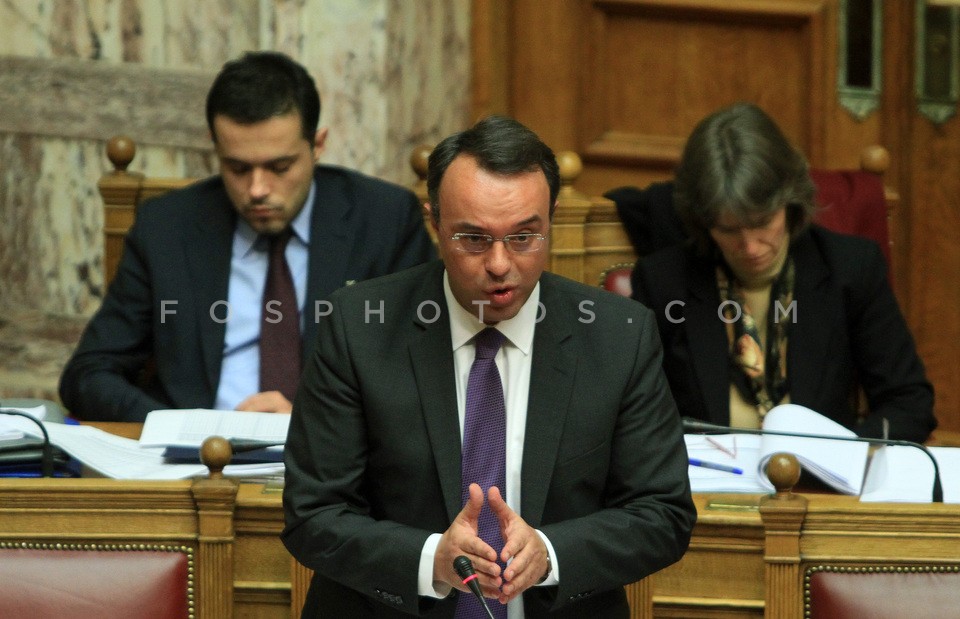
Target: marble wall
[[392, 74]]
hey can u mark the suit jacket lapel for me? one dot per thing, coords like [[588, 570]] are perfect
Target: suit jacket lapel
[[431, 358], [332, 228], [208, 252], [706, 333], [551, 383], [817, 309]]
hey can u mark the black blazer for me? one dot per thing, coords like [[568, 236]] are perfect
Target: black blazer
[[849, 331], [179, 249], [373, 452]]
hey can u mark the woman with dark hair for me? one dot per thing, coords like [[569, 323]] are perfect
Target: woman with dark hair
[[760, 307]]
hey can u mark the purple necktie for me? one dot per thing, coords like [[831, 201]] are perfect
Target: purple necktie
[[279, 336], [484, 453]]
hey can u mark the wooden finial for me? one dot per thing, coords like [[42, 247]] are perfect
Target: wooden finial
[[216, 452], [418, 160], [875, 159], [783, 471], [120, 152], [570, 167]]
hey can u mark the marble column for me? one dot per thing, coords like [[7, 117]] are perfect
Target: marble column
[[392, 74]]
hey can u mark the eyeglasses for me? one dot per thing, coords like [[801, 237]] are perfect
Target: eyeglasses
[[523, 243]]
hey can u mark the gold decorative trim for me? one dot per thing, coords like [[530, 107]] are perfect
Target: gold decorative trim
[[187, 550], [611, 269], [869, 569]]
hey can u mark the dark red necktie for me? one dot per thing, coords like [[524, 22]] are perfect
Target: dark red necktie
[[279, 324]]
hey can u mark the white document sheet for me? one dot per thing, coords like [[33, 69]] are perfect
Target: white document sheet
[[189, 427], [839, 463], [123, 458], [736, 450], [10, 430], [905, 474]]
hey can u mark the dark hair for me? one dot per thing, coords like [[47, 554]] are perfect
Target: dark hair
[[738, 161], [500, 145], [262, 85]]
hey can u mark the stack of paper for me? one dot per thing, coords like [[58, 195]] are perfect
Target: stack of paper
[[10, 430], [905, 474], [735, 450], [182, 432], [123, 458], [839, 463]]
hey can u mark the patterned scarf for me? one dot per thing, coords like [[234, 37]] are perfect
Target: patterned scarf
[[760, 379]]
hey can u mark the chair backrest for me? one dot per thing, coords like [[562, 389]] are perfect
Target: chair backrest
[[881, 591], [849, 201], [586, 234], [102, 581], [590, 235]]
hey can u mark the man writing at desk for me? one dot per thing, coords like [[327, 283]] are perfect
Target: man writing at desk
[[482, 407], [220, 283]]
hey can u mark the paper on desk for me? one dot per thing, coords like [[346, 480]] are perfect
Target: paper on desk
[[189, 427], [839, 463], [719, 448], [123, 458], [905, 474], [10, 430]]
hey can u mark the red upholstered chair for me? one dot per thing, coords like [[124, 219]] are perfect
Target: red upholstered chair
[[881, 592], [849, 201], [96, 581], [853, 202], [616, 278]]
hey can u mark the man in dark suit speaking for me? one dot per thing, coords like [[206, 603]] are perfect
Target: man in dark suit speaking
[[220, 283], [481, 407]]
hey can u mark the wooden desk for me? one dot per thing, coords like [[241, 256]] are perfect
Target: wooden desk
[[231, 530], [746, 558]]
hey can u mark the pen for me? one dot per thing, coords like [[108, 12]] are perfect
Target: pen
[[721, 447], [715, 466]]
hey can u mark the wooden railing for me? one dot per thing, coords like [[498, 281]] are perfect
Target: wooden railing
[[586, 235]]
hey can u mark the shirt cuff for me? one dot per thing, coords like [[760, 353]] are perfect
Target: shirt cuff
[[553, 578], [425, 583]]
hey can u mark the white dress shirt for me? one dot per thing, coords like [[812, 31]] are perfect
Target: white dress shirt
[[514, 361]]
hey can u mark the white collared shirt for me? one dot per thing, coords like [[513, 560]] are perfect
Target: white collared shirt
[[514, 361]]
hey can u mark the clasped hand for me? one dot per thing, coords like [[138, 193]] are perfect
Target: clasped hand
[[524, 551]]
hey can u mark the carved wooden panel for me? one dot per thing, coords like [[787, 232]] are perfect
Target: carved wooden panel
[[656, 69], [622, 83]]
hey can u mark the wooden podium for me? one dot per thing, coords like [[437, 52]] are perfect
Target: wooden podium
[[752, 555], [748, 556], [229, 531]]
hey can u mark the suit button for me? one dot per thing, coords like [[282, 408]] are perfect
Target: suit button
[[392, 598]]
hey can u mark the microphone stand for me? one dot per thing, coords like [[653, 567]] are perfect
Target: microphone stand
[[46, 455], [702, 427], [464, 569]]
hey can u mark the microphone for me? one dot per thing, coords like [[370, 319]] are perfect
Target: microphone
[[464, 568], [695, 425], [46, 455]]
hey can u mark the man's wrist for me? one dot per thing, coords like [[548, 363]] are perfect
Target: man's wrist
[[546, 574]]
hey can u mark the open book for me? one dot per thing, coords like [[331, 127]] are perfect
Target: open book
[[839, 464]]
